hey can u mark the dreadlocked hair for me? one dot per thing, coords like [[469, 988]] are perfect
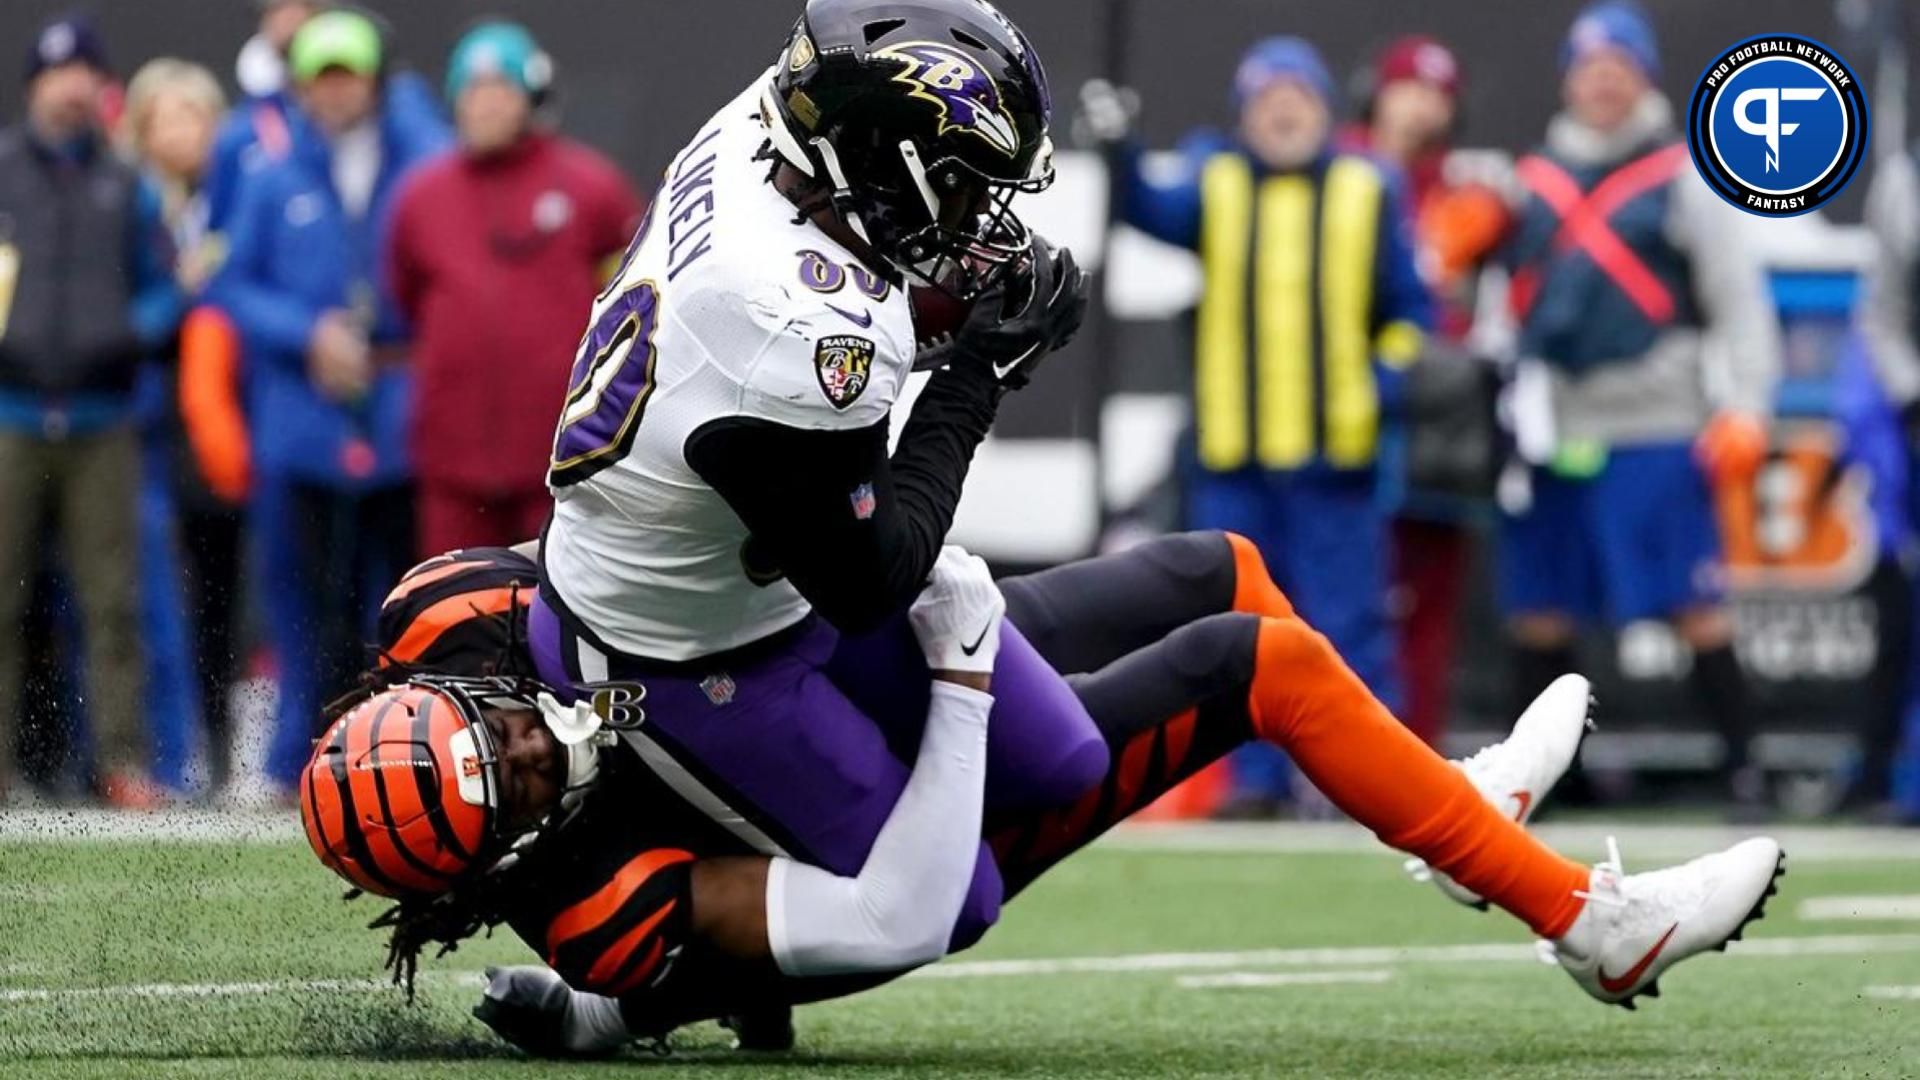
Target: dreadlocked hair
[[516, 650], [389, 674], [813, 197], [445, 920], [474, 906]]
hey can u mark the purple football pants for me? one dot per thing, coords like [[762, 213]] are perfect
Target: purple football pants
[[802, 748]]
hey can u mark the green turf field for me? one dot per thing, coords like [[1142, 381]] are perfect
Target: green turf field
[[151, 958]]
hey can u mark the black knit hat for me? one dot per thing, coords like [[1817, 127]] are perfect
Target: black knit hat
[[70, 39]]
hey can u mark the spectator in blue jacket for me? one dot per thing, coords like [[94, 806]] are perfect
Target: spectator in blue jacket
[[85, 294], [1311, 309], [328, 386], [257, 133]]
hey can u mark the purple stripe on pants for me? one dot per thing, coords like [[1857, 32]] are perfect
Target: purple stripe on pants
[[813, 743]]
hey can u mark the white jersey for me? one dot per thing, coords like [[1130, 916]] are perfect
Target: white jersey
[[726, 307]]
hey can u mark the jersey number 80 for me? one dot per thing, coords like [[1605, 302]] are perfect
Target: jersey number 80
[[611, 381]]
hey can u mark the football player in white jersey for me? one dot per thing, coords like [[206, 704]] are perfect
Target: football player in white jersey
[[730, 528], [735, 550], [464, 791]]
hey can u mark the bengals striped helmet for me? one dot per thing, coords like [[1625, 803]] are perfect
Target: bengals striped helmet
[[402, 796]]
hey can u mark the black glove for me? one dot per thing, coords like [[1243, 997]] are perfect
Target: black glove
[[1033, 309]]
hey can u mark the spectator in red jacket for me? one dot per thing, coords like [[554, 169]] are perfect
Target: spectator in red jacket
[[1410, 117], [496, 252]]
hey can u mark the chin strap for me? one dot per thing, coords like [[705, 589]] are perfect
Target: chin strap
[[842, 191], [581, 732]]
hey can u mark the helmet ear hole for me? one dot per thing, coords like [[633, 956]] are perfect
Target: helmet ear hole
[[880, 28]]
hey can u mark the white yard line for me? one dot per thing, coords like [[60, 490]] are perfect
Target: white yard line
[[1248, 980], [1645, 844], [232, 989], [1815, 945], [96, 891], [1211, 961], [1884, 908], [166, 826], [1173, 963], [1894, 993]]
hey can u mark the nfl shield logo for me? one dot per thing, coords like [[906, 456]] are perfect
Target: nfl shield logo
[[863, 501], [718, 688], [844, 364]]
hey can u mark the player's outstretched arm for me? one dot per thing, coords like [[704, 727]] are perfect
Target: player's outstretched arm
[[899, 911], [896, 914]]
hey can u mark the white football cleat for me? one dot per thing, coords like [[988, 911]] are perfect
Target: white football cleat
[[1636, 927], [1516, 773]]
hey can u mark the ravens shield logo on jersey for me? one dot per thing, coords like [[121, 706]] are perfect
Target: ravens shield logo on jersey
[[844, 364]]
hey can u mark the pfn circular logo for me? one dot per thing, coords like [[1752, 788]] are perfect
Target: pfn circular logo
[[1778, 125]]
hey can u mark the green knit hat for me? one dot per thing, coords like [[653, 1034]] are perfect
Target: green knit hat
[[342, 39]]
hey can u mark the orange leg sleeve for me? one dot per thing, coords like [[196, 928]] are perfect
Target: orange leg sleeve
[[1253, 589], [1307, 701]]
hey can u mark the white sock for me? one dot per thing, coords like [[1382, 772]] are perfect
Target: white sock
[[594, 1024]]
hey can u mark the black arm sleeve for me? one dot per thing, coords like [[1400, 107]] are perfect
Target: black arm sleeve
[[800, 494]]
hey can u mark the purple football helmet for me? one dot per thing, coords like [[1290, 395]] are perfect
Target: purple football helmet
[[923, 118]]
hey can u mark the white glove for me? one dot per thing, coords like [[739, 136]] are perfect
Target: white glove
[[957, 616], [1106, 113], [534, 1010]]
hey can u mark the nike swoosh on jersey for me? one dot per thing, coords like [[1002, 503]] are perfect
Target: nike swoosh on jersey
[[1614, 985], [862, 320]]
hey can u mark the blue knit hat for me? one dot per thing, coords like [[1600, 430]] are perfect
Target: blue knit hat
[[1278, 58], [500, 50], [1613, 24], [70, 39]]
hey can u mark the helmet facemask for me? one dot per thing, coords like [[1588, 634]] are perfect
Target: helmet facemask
[[578, 734], [945, 223]]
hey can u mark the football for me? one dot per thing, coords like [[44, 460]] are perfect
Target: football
[[937, 315]]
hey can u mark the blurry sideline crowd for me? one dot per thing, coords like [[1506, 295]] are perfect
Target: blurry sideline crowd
[[1396, 339], [258, 355]]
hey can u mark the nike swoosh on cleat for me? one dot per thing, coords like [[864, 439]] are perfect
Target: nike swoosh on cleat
[[977, 642], [1614, 986], [862, 320], [1525, 799]]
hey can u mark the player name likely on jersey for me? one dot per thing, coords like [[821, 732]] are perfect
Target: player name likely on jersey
[[690, 207]]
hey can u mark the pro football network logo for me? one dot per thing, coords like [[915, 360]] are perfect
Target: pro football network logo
[[1778, 125]]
